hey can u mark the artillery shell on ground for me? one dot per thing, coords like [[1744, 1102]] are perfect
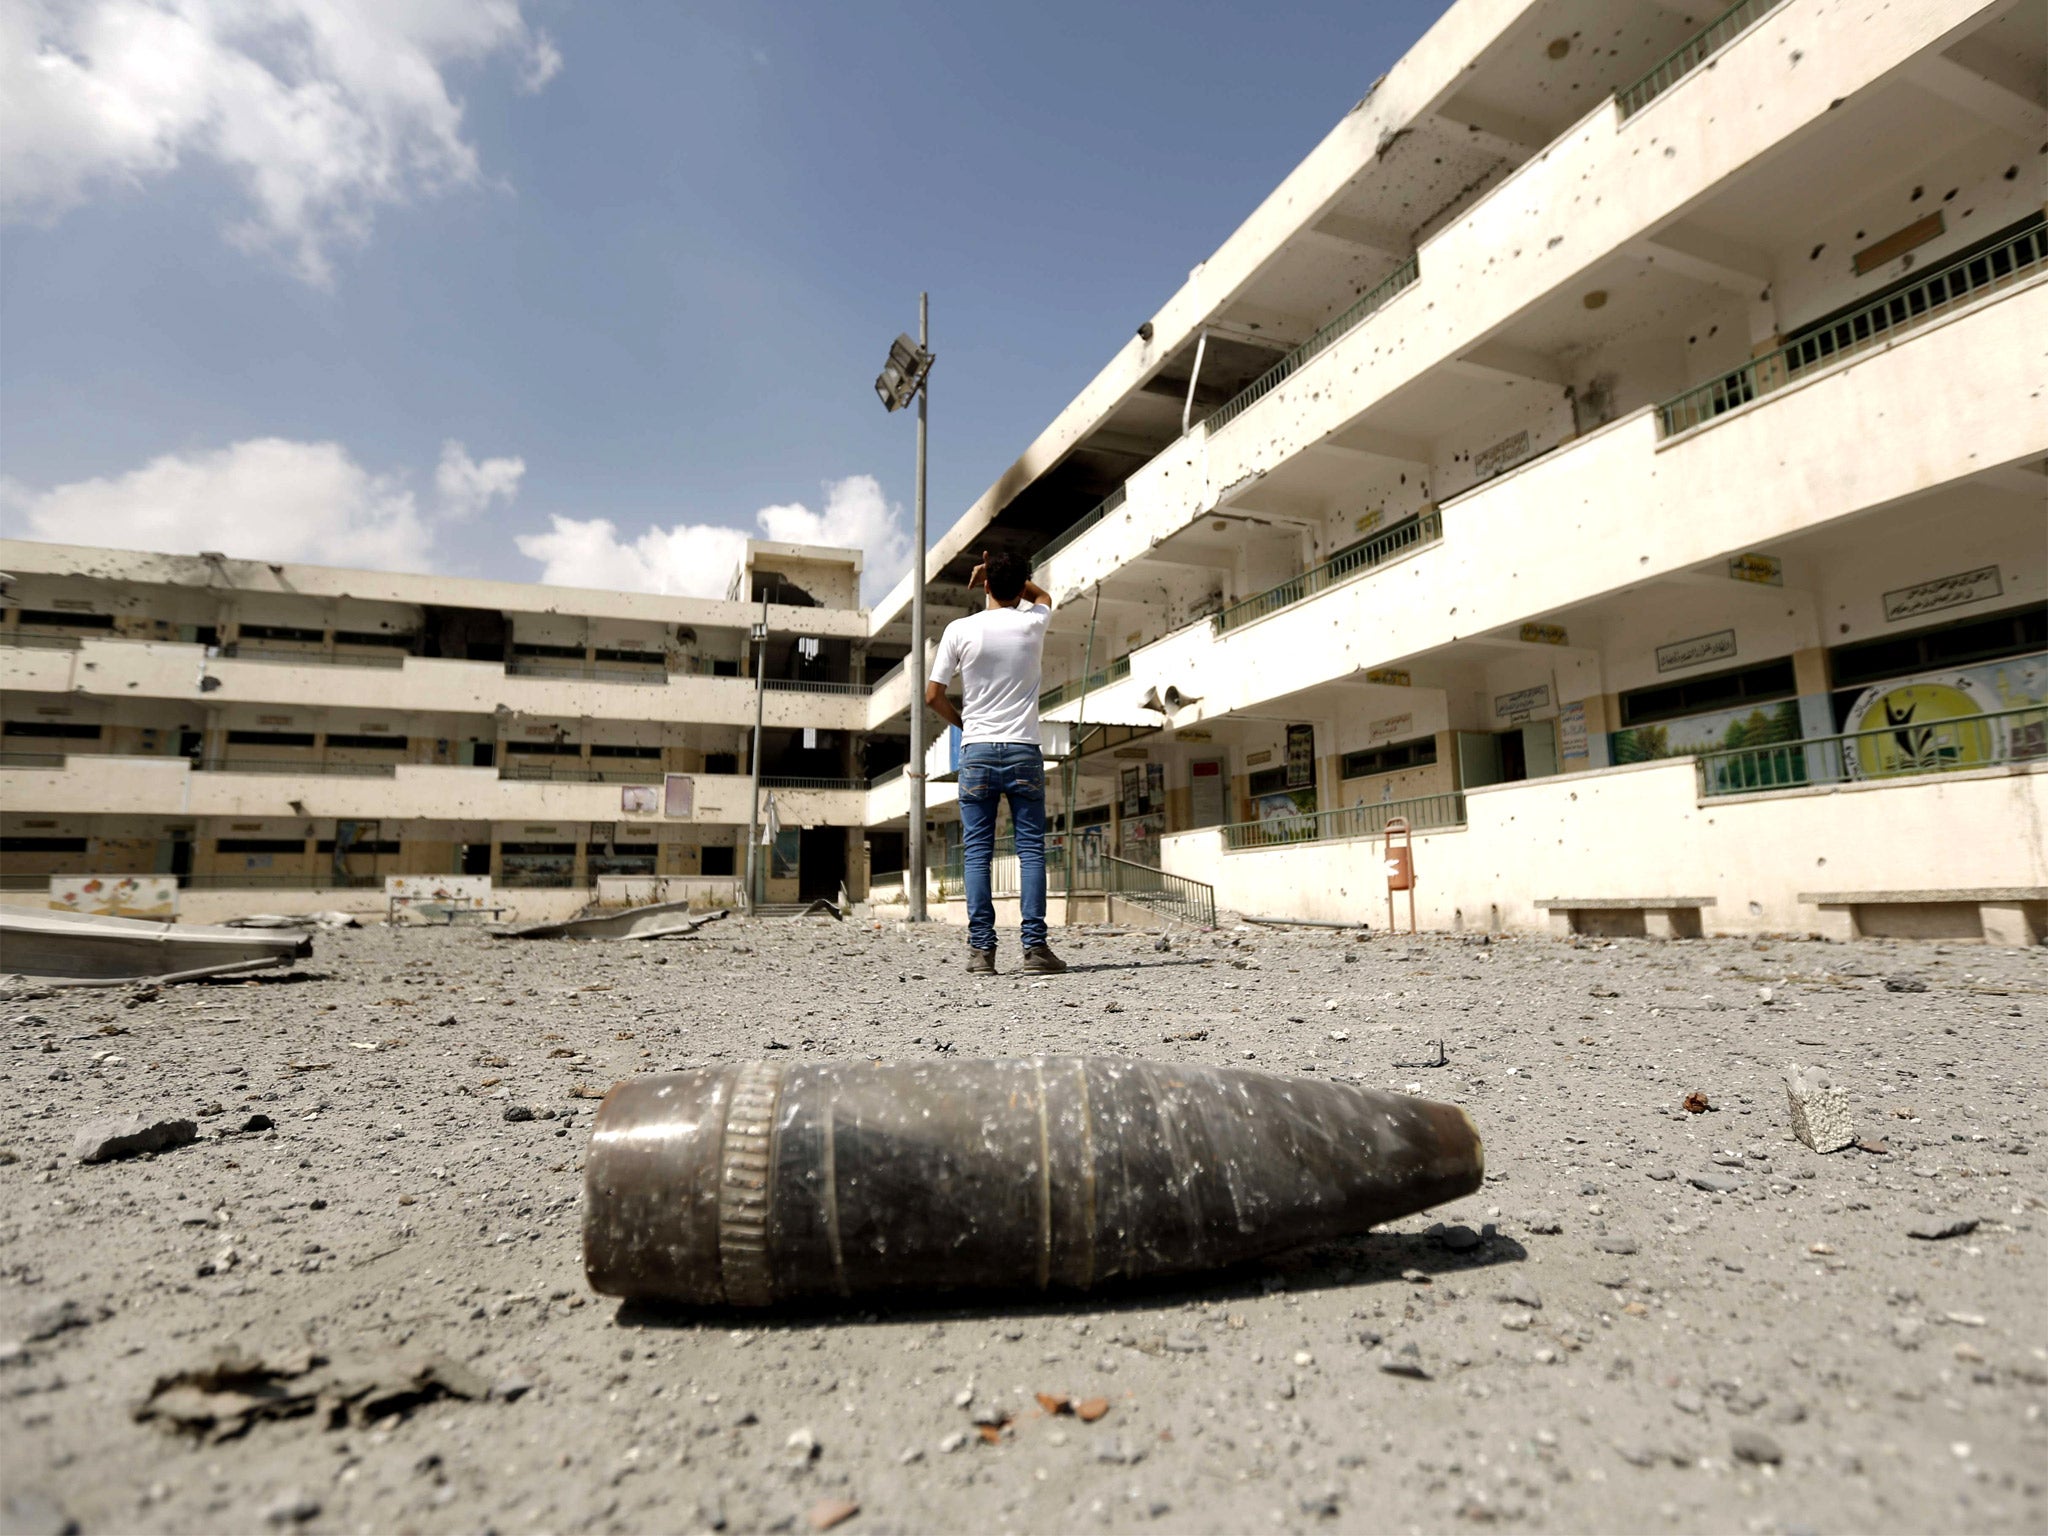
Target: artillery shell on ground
[[759, 1183]]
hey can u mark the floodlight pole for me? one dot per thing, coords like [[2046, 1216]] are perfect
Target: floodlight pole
[[915, 871], [760, 697]]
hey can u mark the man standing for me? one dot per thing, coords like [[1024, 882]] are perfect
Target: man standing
[[997, 653]]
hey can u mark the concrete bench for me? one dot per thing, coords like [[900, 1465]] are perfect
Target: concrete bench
[[2004, 914], [1626, 917]]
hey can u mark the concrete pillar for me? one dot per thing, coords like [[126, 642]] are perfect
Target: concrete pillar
[[2013, 924]]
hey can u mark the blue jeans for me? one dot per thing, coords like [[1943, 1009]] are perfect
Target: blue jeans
[[990, 770]]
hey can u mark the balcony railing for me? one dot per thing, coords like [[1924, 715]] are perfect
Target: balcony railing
[[243, 880], [1089, 519], [653, 675], [806, 685], [1417, 531], [1690, 55], [1101, 677], [888, 776], [237, 651], [798, 781], [287, 765], [29, 640], [577, 771], [1314, 347], [1423, 813], [1894, 752], [1874, 325], [35, 759]]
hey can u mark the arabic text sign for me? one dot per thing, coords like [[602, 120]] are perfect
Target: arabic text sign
[[1718, 646], [1522, 704], [1764, 570], [1942, 592]]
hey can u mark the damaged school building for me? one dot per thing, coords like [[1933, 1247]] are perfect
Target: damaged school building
[[1618, 452]]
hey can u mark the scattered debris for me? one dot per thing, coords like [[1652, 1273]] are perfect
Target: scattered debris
[[1755, 1447], [119, 1136], [661, 920], [1438, 1057], [224, 1398], [1820, 1111], [1935, 1228], [1190, 1035], [1904, 983], [79, 949], [298, 920], [827, 1513], [1696, 1103], [1055, 1402], [1089, 1409]]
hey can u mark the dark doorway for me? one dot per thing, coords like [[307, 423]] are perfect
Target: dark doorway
[[476, 858], [1514, 760], [821, 869], [485, 754]]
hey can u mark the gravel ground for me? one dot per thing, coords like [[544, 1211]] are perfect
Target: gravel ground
[[1606, 1345]]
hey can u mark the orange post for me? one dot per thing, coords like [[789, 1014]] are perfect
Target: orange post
[[1400, 868]]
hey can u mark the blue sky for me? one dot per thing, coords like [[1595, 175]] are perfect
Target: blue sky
[[629, 263]]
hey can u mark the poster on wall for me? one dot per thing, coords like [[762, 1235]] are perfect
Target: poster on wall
[[1132, 782], [1934, 723], [1155, 788], [1571, 732], [1287, 815], [147, 896], [1301, 756], [679, 796], [640, 799], [786, 853], [1722, 731]]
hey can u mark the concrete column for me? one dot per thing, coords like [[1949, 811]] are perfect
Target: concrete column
[[2013, 924]]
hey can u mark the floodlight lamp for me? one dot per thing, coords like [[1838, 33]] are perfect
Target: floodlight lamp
[[903, 375]]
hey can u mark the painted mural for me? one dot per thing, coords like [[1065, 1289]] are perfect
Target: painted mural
[[1756, 725]]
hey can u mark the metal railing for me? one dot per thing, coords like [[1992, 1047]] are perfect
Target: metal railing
[[249, 880], [653, 675], [29, 640], [1098, 874], [577, 771], [1101, 677], [1170, 895], [806, 685], [1908, 750], [296, 766], [798, 781], [1426, 529], [1088, 520], [236, 651], [1691, 54], [888, 776], [1423, 813], [1314, 347], [1873, 325]]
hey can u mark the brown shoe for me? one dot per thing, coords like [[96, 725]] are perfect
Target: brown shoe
[[1041, 961], [981, 962]]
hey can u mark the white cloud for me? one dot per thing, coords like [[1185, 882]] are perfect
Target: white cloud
[[323, 110], [464, 487], [264, 499], [698, 559]]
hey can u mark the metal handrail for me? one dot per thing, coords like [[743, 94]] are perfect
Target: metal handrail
[[1691, 54], [1089, 519], [1422, 812], [295, 765], [1873, 325], [1190, 899], [234, 650], [806, 685], [1908, 750], [1416, 531], [799, 781], [1101, 677], [29, 640], [654, 675], [582, 773], [1325, 337]]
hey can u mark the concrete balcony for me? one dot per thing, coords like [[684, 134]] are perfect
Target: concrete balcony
[[131, 669], [1622, 507], [1610, 182], [96, 783]]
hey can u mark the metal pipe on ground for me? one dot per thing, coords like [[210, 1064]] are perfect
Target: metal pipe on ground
[[760, 1183]]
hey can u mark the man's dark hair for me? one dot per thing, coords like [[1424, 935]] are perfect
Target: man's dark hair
[[1007, 574]]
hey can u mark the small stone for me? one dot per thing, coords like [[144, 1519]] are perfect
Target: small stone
[[1521, 1293], [801, 1447], [1689, 1402], [104, 1141], [253, 1124], [1904, 983], [46, 1322], [953, 1442], [827, 1513], [1755, 1447], [1517, 1322], [1714, 1183], [1322, 1506], [1661, 1175], [1458, 1239], [517, 1113], [1406, 1361], [1935, 1228], [1543, 1223], [1089, 1409], [1619, 1245], [1118, 1453], [292, 1509], [1820, 1111], [31, 1512]]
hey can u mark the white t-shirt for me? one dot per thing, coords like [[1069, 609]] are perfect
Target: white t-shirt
[[997, 653]]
